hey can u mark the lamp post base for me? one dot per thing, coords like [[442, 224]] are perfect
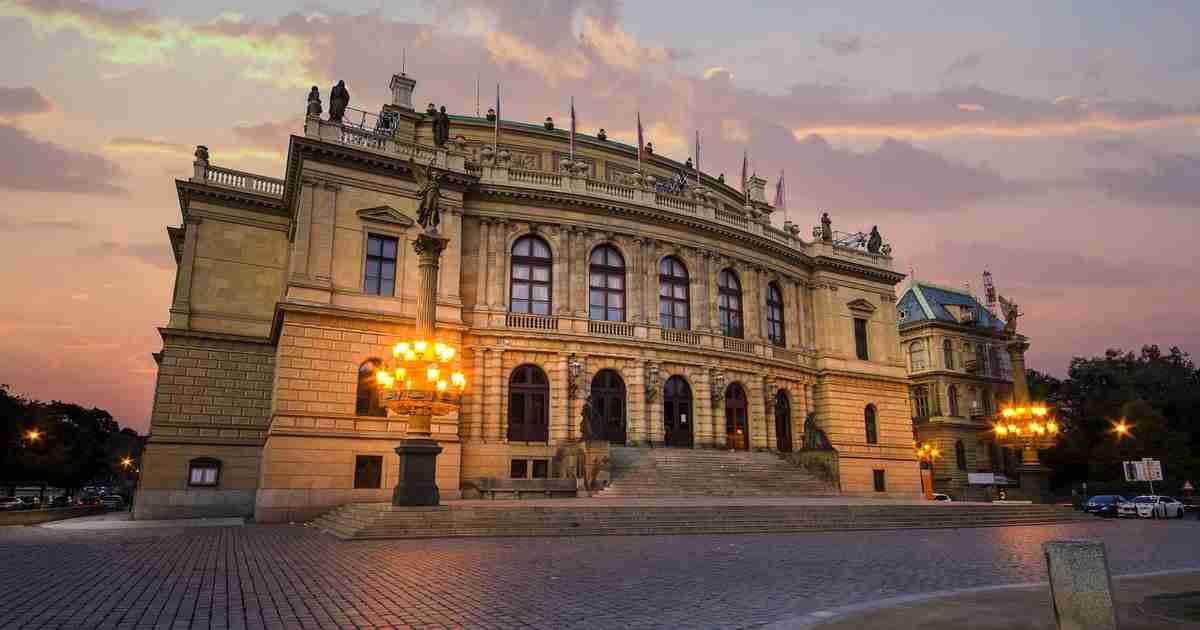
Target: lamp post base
[[417, 485], [1035, 482]]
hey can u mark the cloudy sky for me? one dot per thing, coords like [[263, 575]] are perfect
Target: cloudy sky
[[1055, 144]]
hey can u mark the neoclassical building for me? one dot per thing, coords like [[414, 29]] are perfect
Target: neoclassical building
[[960, 375], [664, 296]]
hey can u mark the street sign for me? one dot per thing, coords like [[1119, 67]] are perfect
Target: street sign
[[1134, 471], [1153, 469]]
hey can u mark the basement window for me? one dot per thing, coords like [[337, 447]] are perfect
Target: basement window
[[880, 480], [204, 471], [368, 471], [529, 469]]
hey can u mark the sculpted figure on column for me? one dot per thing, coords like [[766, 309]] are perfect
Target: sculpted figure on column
[[428, 195], [1011, 313]]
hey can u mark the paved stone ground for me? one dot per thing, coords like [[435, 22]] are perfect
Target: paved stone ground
[[291, 576]]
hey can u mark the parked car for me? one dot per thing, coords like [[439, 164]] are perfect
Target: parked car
[[112, 502], [1103, 504], [89, 500], [1151, 506], [937, 496], [10, 503], [30, 503], [60, 501]]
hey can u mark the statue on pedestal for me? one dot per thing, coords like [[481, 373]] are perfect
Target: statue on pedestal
[[826, 227], [875, 241], [314, 102], [428, 195], [1011, 313], [339, 99], [814, 438], [441, 127]]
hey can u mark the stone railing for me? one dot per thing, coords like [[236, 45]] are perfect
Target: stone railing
[[612, 329], [537, 322], [448, 157], [595, 186], [676, 203], [536, 178], [676, 335], [734, 344], [241, 180], [853, 254], [783, 354], [732, 217]]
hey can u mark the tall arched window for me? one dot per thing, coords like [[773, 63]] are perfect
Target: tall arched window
[[872, 428], [952, 393], [606, 297], [530, 289], [528, 405], [367, 394], [672, 294], [916, 353], [729, 292], [948, 353], [960, 455], [775, 315]]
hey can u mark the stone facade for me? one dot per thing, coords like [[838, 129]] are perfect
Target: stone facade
[[281, 269], [960, 375]]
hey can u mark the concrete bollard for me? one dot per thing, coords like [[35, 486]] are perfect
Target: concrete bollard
[[1080, 585]]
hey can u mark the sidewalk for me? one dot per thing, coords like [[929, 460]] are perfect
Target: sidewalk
[[1011, 607], [122, 520]]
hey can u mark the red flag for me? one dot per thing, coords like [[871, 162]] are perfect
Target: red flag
[[745, 166], [780, 203], [496, 129], [640, 144]]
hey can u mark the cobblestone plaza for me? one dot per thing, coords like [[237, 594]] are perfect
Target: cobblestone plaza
[[290, 576]]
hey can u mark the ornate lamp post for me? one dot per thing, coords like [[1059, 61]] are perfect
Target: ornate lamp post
[[1025, 425], [927, 454], [424, 378]]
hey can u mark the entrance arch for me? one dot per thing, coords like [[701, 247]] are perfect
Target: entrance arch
[[608, 403], [737, 428], [783, 422], [677, 413]]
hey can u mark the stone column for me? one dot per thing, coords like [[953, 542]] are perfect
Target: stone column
[[650, 282], [302, 234], [579, 252], [636, 400], [565, 272], [498, 261], [181, 304], [487, 275], [712, 313], [636, 277], [493, 362], [474, 428]]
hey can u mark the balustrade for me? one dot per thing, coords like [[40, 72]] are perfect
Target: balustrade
[[229, 178], [685, 337], [536, 322], [738, 345], [614, 329]]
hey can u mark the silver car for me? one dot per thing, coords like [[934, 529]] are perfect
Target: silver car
[[1151, 506]]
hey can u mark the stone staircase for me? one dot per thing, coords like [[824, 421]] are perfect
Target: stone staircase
[[675, 472], [597, 517]]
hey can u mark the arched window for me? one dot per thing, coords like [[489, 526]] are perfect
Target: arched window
[[729, 292], [528, 405], [672, 294], [606, 297], [775, 315], [871, 427], [530, 289], [948, 353], [367, 394], [952, 393], [916, 353], [960, 455]]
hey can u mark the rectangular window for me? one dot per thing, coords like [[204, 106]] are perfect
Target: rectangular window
[[880, 480], [368, 471], [860, 338], [541, 468], [379, 273], [519, 469], [204, 472], [920, 401]]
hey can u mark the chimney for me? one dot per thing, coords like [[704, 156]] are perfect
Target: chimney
[[402, 90]]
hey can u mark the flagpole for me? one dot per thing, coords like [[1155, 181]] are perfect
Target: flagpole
[[572, 129], [639, 140], [477, 96], [496, 128], [697, 158]]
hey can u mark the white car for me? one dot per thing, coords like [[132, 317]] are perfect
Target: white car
[[1151, 506], [937, 496]]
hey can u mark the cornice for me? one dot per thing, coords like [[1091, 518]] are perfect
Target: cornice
[[188, 191]]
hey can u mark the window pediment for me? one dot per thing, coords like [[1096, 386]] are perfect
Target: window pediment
[[861, 305], [386, 214]]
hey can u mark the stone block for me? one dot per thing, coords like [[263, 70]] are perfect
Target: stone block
[[1080, 584]]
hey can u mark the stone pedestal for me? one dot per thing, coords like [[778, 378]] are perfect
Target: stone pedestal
[[1080, 585], [1035, 482], [417, 484]]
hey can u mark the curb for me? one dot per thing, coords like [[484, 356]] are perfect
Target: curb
[[821, 617]]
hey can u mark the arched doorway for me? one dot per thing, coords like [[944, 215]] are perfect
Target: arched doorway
[[783, 422], [608, 403], [677, 413], [737, 429]]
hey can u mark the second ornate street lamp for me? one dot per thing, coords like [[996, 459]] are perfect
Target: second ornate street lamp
[[424, 379], [927, 454]]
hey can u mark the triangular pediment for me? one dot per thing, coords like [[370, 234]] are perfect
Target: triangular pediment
[[861, 305], [386, 214]]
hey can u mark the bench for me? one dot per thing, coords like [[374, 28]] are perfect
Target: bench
[[518, 488]]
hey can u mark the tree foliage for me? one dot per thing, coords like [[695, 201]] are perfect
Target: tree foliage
[[72, 447], [1156, 393]]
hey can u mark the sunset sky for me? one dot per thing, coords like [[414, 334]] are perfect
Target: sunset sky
[[1055, 144]]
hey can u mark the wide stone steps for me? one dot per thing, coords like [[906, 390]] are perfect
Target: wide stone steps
[[670, 472], [371, 521]]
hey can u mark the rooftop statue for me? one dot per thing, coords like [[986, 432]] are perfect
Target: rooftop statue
[[1011, 313], [441, 127], [826, 227], [428, 195], [339, 99], [314, 102], [602, 136], [875, 241]]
